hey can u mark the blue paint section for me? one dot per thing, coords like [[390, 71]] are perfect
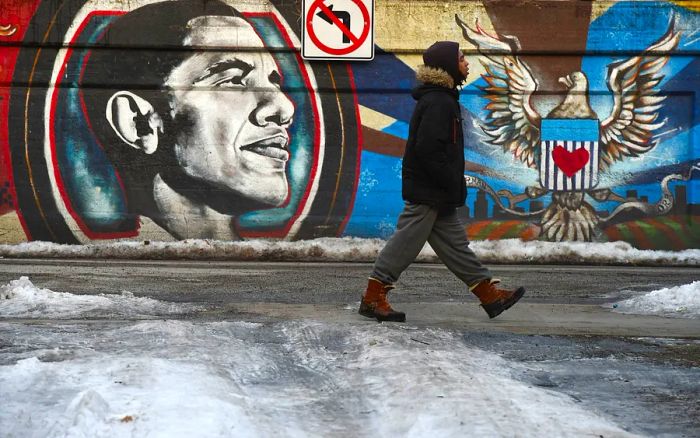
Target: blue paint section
[[397, 129], [569, 130], [89, 180], [386, 85], [632, 26], [683, 97], [671, 151], [652, 193], [499, 184], [378, 200]]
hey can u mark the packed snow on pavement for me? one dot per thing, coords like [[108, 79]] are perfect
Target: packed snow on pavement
[[173, 377], [351, 249], [179, 378], [678, 301]]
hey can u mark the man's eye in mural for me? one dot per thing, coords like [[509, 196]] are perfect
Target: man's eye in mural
[[232, 80], [230, 72], [275, 78]]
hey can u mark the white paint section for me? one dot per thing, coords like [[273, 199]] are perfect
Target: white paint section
[[578, 178], [558, 174], [544, 150], [595, 164], [676, 302], [374, 119]]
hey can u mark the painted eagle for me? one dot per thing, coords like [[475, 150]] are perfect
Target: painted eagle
[[514, 124]]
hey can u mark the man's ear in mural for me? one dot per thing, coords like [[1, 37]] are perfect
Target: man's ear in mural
[[134, 120]]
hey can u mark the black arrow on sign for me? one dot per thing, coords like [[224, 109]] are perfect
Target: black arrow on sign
[[343, 16]]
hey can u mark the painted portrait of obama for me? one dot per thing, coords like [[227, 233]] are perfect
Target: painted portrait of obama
[[196, 128]]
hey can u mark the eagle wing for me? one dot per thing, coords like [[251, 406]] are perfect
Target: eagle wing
[[627, 132], [512, 122]]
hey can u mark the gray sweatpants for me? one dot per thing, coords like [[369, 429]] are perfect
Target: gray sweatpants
[[420, 223]]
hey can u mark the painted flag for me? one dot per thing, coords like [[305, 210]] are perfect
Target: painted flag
[[569, 154]]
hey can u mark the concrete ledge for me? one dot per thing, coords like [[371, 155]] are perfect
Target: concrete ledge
[[524, 318]]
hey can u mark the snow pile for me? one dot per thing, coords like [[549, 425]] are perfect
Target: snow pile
[[21, 299], [679, 301], [295, 379], [351, 249]]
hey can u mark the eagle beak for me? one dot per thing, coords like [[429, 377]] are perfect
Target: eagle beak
[[566, 80]]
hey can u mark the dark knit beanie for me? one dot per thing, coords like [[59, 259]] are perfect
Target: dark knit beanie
[[444, 55]]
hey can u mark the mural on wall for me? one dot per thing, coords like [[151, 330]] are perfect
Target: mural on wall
[[178, 119], [570, 145], [581, 124]]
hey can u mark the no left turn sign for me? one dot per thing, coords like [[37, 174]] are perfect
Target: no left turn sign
[[338, 29]]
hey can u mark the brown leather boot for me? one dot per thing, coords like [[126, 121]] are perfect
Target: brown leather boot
[[375, 305], [495, 300]]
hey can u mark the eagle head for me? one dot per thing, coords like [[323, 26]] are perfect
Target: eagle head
[[575, 81], [575, 104]]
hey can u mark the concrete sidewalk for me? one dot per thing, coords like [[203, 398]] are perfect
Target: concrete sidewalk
[[524, 318]]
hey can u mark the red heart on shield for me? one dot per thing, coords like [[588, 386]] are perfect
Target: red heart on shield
[[570, 162]]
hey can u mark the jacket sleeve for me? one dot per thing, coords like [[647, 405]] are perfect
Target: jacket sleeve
[[433, 136]]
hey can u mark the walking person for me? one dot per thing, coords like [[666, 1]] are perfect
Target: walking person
[[433, 188]]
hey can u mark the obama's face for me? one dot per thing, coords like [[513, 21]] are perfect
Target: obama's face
[[230, 114]]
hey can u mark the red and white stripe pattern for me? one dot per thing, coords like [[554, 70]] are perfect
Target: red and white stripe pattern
[[553, 178]]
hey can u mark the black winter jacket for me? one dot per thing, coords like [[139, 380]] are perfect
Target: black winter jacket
[[433, 163]]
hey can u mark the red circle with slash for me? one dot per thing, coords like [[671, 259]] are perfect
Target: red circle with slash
[[356, 41]]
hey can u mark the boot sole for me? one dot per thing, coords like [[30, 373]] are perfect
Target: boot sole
[[399, 317], [495, 310]]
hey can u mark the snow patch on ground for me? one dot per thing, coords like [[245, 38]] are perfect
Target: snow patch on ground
[[351, 249], [292, 379], [21, 299], [677, 302]]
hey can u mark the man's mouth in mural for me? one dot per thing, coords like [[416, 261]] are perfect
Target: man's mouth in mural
[[272, 147]]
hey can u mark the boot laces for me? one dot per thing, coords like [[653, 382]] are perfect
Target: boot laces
[[382, 304]]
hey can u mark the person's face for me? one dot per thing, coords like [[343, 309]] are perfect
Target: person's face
[[229, 112], [463, 64]]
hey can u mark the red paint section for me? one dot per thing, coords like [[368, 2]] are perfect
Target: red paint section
[[640, 237], [502, 229], [530, 233], [360, 145], [669, 233], [92, 235], [570, 162], [613, 234], [474, 230], [17, 13]]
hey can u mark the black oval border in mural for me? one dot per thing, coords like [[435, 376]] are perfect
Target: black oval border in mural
[[338, 180], [326, 216], [35, 200]]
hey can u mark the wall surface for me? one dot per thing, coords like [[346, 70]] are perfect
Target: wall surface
[[150, 120]]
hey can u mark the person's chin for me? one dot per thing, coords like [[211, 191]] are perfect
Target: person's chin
[[273, 195], [270, 192]]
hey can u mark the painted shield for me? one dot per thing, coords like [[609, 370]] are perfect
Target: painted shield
[[569, 154]]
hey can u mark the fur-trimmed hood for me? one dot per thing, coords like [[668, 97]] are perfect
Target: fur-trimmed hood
[[434, 76]]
